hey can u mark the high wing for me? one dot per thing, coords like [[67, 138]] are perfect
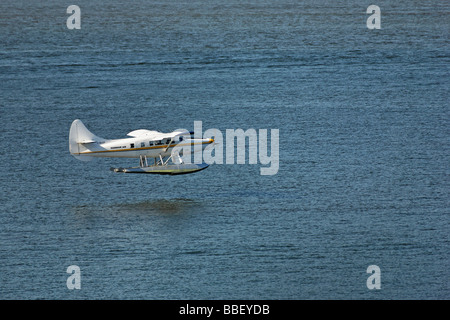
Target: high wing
[[144, 133], [156, 135]]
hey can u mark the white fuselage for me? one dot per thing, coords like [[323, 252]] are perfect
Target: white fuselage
[[137, 147]]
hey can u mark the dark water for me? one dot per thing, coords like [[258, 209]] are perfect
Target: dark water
[[364, 150]]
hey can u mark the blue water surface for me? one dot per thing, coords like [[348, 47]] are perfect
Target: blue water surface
[[363, 177]]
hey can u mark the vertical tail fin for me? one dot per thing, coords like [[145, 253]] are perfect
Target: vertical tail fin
[[79, 135]]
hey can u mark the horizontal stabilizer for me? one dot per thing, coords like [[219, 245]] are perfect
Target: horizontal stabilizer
[[86, 141]]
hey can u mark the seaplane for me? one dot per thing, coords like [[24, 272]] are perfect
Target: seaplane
[[158, 152]]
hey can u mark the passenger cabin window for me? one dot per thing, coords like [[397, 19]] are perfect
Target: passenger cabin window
[[142, 144], [131, 145], [150, 143]]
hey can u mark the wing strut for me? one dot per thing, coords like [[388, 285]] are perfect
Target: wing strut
[[168, 146]]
